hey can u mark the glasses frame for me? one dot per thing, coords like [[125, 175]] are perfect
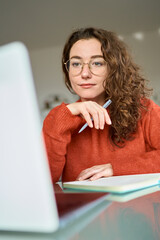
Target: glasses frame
[[83, 66]]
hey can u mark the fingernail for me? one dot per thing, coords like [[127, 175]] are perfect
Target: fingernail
[[109, 122]]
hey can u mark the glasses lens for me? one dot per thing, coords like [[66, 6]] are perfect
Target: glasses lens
[[74, 66], [98, 66]]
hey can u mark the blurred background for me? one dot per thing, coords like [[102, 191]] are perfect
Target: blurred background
[[44, 25]]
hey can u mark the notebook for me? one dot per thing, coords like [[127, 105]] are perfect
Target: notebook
[[125, 197], [27, 199], [117, 184]]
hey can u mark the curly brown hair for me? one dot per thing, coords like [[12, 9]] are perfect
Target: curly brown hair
[[124, 85]]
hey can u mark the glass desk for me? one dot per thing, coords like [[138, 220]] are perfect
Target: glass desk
[[136, 219]]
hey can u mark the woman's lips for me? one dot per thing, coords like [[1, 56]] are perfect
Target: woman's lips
[[87, 85]]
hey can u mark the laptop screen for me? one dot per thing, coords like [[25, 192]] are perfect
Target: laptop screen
[[27, 199]]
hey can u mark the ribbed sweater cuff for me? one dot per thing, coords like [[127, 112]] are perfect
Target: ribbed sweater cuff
[[61, 121], [66, 120]]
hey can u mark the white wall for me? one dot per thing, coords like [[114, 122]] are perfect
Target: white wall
[[146, 53], [46, 64]]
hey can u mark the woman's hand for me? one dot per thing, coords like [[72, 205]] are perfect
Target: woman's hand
[[96, 172], [88, 110]]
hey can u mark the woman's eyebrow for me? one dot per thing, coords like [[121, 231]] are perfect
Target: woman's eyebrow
[[94, 56], [97, 56], [76, 57]]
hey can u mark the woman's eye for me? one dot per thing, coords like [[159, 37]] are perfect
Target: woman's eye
[[76, 64], [97, 64]]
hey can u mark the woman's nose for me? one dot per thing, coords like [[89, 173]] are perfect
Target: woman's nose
[[86, 73]]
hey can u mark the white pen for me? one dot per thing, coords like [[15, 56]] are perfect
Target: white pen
[[86, 124]]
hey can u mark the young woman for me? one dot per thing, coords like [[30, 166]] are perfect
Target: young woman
[[125, 138]]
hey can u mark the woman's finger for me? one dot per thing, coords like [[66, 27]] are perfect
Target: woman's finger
[[107, 117], [108, 172], [93, 110], [87, 117], [101, 119], [87, 173]]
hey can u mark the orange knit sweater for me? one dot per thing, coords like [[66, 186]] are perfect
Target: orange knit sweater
[[69, 152]]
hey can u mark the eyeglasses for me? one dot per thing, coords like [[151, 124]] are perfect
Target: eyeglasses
[[97, 66]]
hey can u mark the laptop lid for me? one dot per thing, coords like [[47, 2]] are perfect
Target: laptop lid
[[27, 201]]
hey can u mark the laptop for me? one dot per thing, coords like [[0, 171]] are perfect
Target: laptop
[[28, 201]]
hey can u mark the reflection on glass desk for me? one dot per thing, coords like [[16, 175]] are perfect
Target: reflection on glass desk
[[136, 219], [132, 195]]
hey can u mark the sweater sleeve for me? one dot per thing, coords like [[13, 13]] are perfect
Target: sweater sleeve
[[148, 162], [58, 127]]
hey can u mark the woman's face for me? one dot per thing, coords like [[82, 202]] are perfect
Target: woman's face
[[86, 84]]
